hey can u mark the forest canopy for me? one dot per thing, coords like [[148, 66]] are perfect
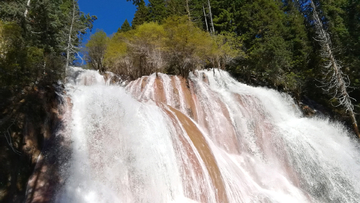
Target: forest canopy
[[268, 43], [176, 46], [35, 36]]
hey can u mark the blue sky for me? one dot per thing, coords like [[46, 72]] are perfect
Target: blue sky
[[111, 13]]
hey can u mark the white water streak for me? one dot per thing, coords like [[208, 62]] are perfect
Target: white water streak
[[128, 149]]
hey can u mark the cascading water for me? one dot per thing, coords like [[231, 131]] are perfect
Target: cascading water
[[209, 139]]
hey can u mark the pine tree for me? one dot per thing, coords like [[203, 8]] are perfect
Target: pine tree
[[196, 12], [175, 7], [45, 29], [157, 10], [12, 10], [299, 44], [227, 15], [352, 50], [125, 27], [141, 15], [262, 28], [334, 20]]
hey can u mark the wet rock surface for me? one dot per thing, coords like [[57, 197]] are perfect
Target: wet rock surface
[[30, 143]]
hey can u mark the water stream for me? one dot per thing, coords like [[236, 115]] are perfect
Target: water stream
[[209, 139]]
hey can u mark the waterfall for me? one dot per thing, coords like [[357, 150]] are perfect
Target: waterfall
[[161, 138]]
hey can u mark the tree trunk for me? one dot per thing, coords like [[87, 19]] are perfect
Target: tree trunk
[[212, 29], [141, 66], [27, 8], [336, 81], [69, 46], [206, 23], [187, 9]]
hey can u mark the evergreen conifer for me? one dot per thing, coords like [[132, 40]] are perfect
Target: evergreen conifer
[[125, 26], [141, 15]]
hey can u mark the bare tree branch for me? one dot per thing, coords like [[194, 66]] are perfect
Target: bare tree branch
[[206, 23], [27, 8], [212, 29], [68, 50], [335, 81]]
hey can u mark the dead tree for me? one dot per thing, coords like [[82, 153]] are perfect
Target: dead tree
[[206, 23], [71, 35], [27, 8], [212, 29], [187, 8], [70, 46], [336, 82]]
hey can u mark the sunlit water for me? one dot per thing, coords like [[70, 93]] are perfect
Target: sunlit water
[[160, 139]]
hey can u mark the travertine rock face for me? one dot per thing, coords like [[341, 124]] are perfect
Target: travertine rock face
[[162, 138]]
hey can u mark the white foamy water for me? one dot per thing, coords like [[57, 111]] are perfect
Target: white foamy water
[[212, 139]]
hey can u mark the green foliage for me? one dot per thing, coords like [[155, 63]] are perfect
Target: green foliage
[[196, 12], [297, 37], [18, 63], [141, 15], [223, 21], [135, 2], [36, 42], [11, 44], [145, 46], [186, 44], [115, 58], [12, 10], [342, 20], [226, 15], [268, 43], [263, 28], [95, 50], [274, 38], [175, 7], [227, 48], [136, 52], [157, 11], [125, 26], [177, 46]]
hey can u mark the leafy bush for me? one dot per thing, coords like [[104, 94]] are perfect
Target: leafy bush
[[177, 46]]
